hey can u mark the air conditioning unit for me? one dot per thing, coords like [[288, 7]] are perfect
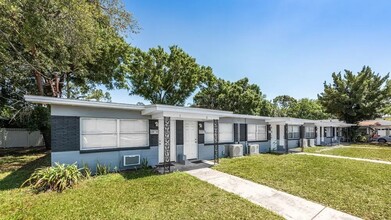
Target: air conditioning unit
[[253, 149], [131, 160], [236, 150], [312, 143]]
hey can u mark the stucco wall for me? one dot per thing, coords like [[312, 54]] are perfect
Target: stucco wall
[[112, 158]]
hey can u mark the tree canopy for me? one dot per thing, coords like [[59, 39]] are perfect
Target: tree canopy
[[239, 97], [356, 97], [73, 44], [287, 106], [165, 78], [59, 48]]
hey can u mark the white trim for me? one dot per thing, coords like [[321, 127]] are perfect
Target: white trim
[[75, 102], [118, 133]]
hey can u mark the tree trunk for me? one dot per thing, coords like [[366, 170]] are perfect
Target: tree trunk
[[38, 79], [47, 137]]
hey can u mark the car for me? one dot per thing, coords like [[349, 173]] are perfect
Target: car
[[384, 139]]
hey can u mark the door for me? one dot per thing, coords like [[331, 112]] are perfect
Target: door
[[172, 141], [190, 147]]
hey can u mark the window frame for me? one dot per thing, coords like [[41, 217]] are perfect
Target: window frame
[[339, 132], [257, 134], [327, 133], [117, 134], [311, 132], [210, 134], [290, 131]]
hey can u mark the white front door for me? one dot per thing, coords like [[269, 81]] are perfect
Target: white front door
[[172, 140], [190, 147]]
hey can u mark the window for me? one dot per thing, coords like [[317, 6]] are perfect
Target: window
[[256, 132], [293, 132], [226, 132], [309, 132], [339, 132], [208, 132], [99, 133], [328, 131], [133, 133]]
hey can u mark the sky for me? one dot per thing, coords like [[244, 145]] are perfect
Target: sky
[[287, 47]]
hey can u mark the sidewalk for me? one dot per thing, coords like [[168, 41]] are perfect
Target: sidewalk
[[284, 204], [349, 158]]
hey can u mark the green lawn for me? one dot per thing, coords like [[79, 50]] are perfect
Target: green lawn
[[128, 195], [359, 188], [359, 151]]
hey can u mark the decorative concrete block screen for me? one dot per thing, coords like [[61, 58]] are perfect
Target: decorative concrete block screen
[[19, 137]]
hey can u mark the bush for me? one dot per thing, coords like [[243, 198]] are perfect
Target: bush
[[55, 178], [86, 171], [144, 164], [102, 169]]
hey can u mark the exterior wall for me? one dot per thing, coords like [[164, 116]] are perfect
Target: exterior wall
[[19, 137], [264, 146], [206, 152], [112, 158], [78, 111], [293, 143], [65, 133], [65, 125]]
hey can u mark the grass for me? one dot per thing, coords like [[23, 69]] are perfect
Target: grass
[[359, 188], [358, 151], [17, 165], [127, 195]]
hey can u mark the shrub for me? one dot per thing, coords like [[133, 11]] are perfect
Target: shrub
[[86, 171], [144, 164], [102, 169], [56, 178]]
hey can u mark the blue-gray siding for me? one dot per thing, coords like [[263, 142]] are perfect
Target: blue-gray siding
[[112, 158], [293, 143], [206, 152]]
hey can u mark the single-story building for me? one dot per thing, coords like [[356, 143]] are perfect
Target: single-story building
[[122, 135], [376, 128]]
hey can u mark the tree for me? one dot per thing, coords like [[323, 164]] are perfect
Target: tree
[[64, 44], [356, 97], [59, 48], [165, 78], [308, 109], [240, 97], [287, 106], [284, 105]]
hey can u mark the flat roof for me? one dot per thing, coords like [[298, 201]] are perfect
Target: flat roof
[[170, 110]]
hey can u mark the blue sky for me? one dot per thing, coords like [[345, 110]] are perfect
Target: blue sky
[[285, 46]]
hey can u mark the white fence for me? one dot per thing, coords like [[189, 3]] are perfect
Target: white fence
[[19, 137]]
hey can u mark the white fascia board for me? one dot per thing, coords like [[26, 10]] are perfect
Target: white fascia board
[[84, 103], [152, 109], [249, 117]]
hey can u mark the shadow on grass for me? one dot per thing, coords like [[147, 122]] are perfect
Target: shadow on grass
[[139, 173], [17, 151], [16, 178]]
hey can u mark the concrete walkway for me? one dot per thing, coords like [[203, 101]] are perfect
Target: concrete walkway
[[349, 158], [284, 204]]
